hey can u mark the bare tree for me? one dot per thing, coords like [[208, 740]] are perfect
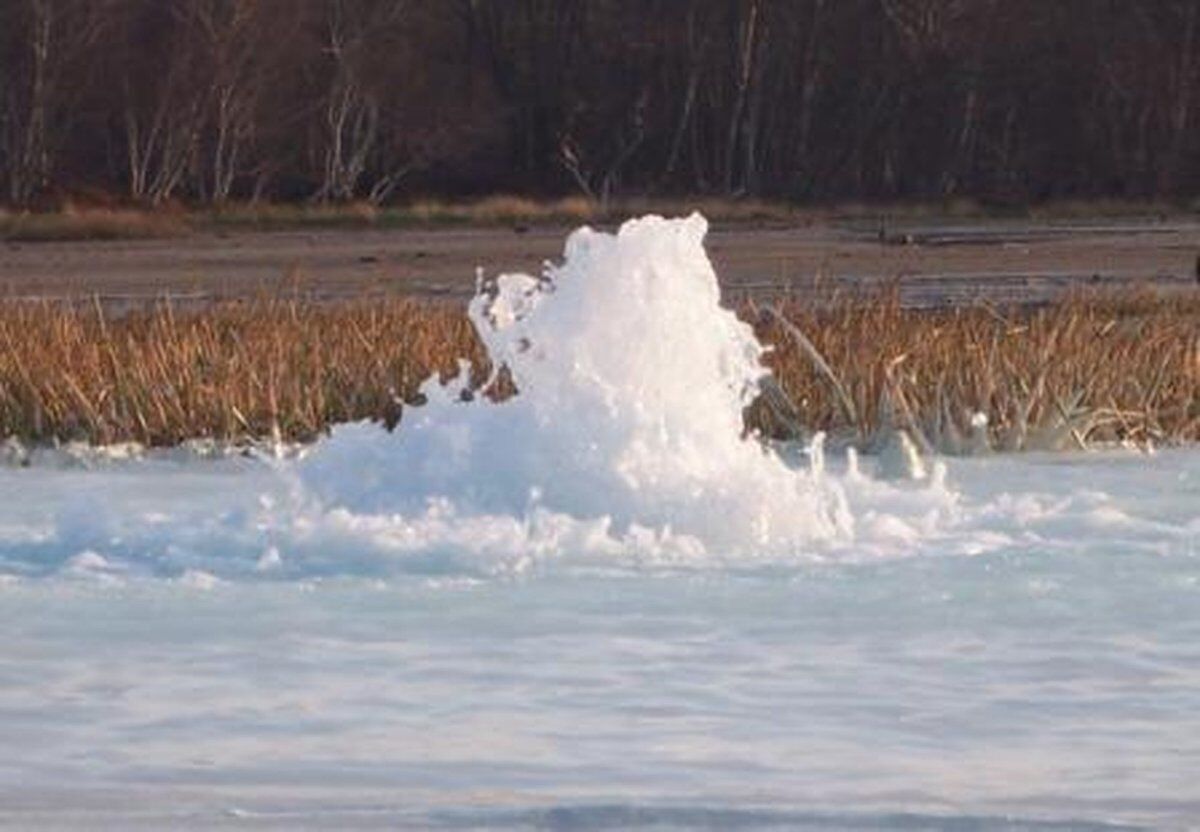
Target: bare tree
[[213, 100], [1175, 28], [48, 36], [162, 104], [598, 177], [351, 104], [746, 71], [238, 45]]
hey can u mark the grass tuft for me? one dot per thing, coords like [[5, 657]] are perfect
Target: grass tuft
[[90, 224], [1089, 369], [113, 223]]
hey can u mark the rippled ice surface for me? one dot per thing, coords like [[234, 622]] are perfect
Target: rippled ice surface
[[1038, 658]]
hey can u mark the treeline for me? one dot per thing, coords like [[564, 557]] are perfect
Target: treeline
[[330, 100]]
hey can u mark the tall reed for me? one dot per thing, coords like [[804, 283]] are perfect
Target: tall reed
[[234, 371], [1089, 368], [1085, 370]]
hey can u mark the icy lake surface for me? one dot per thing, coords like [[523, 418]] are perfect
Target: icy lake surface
[[600, 606]]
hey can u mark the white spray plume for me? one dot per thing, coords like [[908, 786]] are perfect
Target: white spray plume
[[632, 383]]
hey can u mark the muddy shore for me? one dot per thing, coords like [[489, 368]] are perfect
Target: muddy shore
[[935, 263]]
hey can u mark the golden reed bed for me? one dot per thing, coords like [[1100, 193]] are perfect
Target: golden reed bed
[[1082, 371]]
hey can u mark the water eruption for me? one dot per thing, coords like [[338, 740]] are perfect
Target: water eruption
[[632, 383]]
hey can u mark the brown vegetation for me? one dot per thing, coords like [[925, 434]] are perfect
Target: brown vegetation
[[1074, 373], [131, 223], [1087, 369], [239, 371], [90, 224]]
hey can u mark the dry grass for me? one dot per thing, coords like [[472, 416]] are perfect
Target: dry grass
[[496, 210], [270, 215], [108, 222], [91, 224], [237, 371], [1085, 370], [502, 210], [112, 223], [1082, 371]]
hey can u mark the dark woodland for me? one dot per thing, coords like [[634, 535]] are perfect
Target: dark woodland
[[202, 101]]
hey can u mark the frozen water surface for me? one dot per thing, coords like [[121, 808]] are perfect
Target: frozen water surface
[[598, 606]]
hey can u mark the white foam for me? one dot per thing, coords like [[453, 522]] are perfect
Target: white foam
[[198, 579], [632, 382], [228, 634], [624, 450]]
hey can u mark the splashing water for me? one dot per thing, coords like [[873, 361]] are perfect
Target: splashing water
[[624, 448], [632, 380], [338, 642]]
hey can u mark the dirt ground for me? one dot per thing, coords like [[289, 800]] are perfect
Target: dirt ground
[[936, 263]]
